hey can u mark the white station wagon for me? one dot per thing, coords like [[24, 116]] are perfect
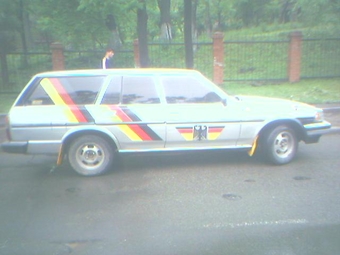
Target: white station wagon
[[88, 116]]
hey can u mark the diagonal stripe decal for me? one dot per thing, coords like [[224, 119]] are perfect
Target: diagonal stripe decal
[[59, 96], [79, 114], [136, 132]]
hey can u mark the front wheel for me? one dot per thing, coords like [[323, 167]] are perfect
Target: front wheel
[[90, 155], [280, 145]]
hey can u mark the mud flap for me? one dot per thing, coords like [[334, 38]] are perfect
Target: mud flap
[[60, 156], [253, 148]]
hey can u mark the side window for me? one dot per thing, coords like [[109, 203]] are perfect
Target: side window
[[186, 89], [139, 90], [65, 90], [39, 97], [112, 94]]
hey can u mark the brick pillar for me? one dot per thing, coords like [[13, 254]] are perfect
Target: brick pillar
[[218, 49], [294, 56], [58, 59], [136, 53]]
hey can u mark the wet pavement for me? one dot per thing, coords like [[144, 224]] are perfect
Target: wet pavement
[[189, 203]]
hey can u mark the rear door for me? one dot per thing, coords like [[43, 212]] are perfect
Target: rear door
[[131, 109]]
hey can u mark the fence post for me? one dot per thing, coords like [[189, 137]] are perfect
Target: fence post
[[58, 59], [294, 56], [136, 53], [218, 49]]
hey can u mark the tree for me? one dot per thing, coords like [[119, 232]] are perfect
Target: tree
[[142, 30], [165, 18], [189, 55], [115, 41], [315, 12], [8, 27]]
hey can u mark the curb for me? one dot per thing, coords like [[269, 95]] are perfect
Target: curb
[[331, 109]]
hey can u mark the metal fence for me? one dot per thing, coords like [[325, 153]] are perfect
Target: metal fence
[[93, 59], [256, 60], [244, 60], [173, 55], [321, 58], [21, 66]]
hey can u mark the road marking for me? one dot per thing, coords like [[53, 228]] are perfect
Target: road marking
[[257, 223]]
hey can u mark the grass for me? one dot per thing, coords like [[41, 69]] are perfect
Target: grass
[[318, 91]]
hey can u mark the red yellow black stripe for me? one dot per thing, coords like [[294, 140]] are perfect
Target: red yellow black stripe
[[135, 131], [60, 96]]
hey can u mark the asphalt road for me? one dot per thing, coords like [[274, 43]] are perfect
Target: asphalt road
[[192, 203]]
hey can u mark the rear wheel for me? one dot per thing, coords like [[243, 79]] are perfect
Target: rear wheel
[[280, 145], [90, 155]]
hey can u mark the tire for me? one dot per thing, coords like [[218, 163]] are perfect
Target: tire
[[280, 146], [90, 155]]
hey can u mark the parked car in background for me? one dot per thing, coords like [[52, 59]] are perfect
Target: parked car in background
[[89, 116]]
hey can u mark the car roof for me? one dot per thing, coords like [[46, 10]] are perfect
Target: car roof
[[96, 72]]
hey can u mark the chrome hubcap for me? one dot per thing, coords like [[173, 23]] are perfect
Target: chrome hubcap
[[90, 155], [283, 144]]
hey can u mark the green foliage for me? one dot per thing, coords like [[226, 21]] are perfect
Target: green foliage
[[80, 24], [317, 12]]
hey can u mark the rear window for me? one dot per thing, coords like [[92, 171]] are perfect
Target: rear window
[[139, 90], [64, 90]]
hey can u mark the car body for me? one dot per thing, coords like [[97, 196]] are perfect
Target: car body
[[88, 116]]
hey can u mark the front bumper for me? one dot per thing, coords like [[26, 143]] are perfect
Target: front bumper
[[315, 130]]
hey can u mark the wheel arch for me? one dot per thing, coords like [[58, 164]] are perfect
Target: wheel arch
[[68, 139], [295, 125]]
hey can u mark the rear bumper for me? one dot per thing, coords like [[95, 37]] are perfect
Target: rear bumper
[[15, 147], [31, 147]]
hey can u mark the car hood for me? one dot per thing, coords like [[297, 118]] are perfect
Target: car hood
[[276, 107]]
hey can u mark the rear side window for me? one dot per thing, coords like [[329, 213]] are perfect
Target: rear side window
[[112, 94], [187, 89], [139, 90], [65, 90]]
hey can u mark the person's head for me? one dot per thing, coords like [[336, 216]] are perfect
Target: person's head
[[109, 53]]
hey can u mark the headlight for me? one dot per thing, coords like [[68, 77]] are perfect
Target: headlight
[[319, 116]]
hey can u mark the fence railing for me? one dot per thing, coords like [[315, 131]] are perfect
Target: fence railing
[[321, 58], [21, 67], [244, 60], [256, 60]]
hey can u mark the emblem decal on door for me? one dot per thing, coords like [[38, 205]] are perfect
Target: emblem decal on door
[[200, 132]]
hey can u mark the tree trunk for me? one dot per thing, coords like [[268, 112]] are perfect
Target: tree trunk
[[208, 23], [114, 41], [189, 55], [142, 30], [164, 7], [22, 32]]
